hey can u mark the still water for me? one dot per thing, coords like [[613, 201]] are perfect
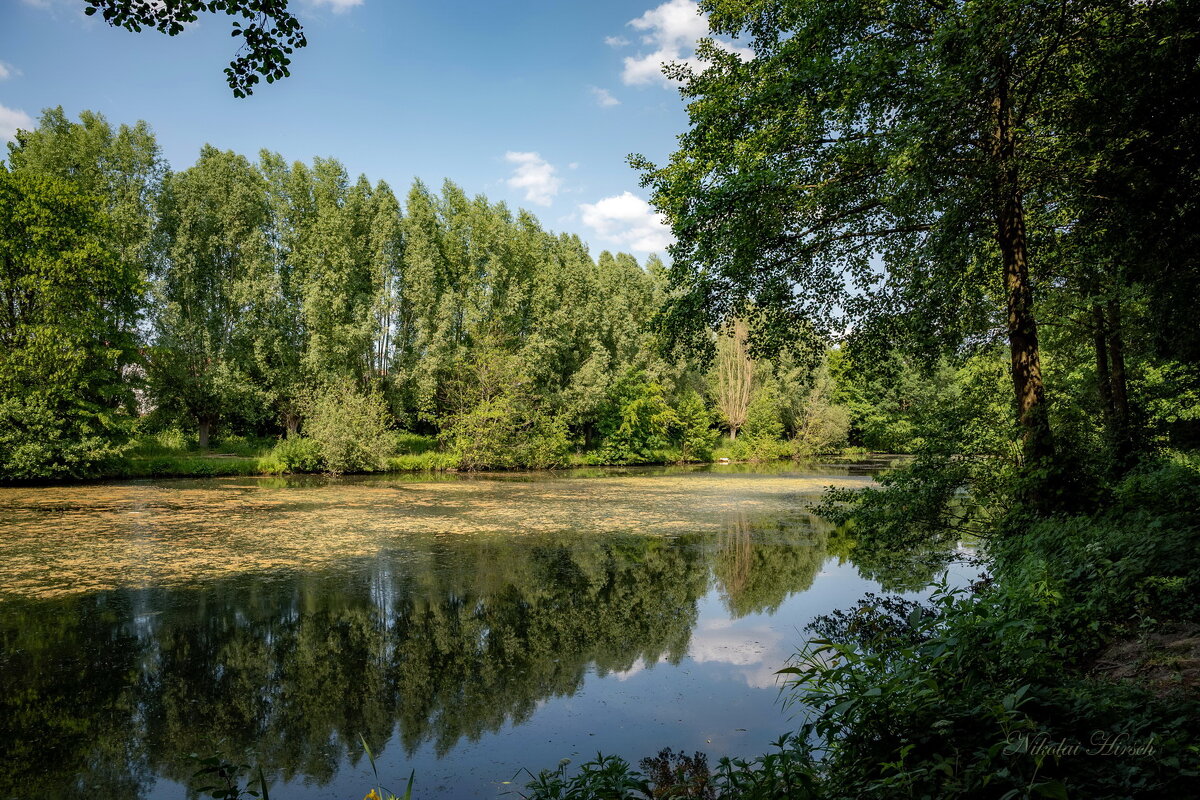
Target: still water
[[466, 626]]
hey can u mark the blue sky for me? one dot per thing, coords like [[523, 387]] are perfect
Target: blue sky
[[533, 103]]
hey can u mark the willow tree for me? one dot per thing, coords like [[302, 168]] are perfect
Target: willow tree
[[901, 134], [733, 376]]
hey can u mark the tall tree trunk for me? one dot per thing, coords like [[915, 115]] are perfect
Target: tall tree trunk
[[1110, 379], [1122, 431], [1022, 327], [1103, 377], [204, 429], [1023, 337]]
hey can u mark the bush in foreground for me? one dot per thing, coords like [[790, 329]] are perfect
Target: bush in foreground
[[788, 772], [505, 432], [1003, 690]]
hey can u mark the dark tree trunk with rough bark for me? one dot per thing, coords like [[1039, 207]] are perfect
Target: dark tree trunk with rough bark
[[1022, 326], [1110, 380], [1122, 431], [1103, 375], [1023, 339]]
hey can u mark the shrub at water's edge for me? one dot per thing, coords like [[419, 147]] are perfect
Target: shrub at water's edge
[[350, 430]]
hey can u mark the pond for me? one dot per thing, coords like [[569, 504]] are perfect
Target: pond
[[466, 626]]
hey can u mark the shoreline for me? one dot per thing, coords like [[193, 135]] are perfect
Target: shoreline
[[233, 466]]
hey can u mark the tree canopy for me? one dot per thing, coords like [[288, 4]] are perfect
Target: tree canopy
[[913, 169], [67, 307]]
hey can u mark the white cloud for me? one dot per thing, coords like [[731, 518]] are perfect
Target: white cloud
[[672, 30], [11, 119], [338, 6], [604, 98], [8, 71], [535, 176], [616, 41], [755, 651], [627, 221]]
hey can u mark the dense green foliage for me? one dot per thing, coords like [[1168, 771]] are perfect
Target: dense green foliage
[[349, 430], [938, 178], [67, 311], [275, 287], [504, 432], [783, 774], [971, 696]]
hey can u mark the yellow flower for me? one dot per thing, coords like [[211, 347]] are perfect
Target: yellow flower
[[372, 795]]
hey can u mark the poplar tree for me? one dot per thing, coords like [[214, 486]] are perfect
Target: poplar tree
[[214, 294], [289, 201]]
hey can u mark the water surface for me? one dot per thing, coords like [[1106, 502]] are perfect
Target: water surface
[[466, 626]]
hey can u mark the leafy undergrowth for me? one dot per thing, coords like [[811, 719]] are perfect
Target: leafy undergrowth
[[787, 771], [189, 466], [174, 454], [1069, 674]]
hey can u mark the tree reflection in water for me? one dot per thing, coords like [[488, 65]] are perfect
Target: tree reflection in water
[[432, 644]]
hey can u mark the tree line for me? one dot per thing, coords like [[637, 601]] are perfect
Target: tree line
[[244, 297]]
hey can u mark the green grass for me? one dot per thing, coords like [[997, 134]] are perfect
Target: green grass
[[175, 454], [593, 458], [421, 462], [746, 449], [414, 444], [188, 466], [173, 443]]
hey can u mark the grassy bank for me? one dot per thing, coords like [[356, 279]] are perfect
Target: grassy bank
[[173, 455]]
